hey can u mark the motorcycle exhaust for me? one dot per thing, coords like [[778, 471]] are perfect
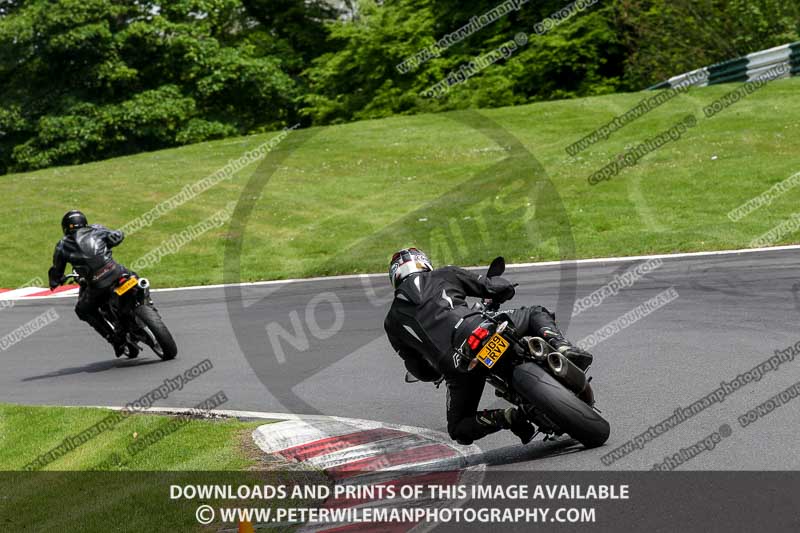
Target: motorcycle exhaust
[[566, 372], [538, 347], [143, 283]]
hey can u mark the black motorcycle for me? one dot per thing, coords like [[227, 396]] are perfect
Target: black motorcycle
[[132, 315], [554, 394]]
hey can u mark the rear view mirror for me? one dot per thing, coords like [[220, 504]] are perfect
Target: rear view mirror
[[497, 267]]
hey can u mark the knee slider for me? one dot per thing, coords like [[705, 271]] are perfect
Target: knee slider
[[458, 436]]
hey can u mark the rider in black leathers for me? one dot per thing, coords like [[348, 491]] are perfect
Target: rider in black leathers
[[427, 320], [88, 249]]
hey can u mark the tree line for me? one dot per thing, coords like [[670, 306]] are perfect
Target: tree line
[[82, 80]]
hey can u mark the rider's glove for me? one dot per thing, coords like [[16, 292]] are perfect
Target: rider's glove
[[54, 277], [501, 289]]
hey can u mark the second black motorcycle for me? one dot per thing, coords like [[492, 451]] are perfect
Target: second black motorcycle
[[133, 316]]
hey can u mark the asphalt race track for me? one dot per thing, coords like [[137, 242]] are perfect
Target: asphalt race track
[[732, 312]]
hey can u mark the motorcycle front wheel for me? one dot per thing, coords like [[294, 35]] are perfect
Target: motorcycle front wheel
[[164, 345]]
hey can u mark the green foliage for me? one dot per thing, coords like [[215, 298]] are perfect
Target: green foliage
[[89, 79], [82, 80], [617, 45], [360, 79], [668, 37]]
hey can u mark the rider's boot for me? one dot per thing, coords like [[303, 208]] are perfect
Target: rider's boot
[[510, 418], [119, 349], [120, 344], [580, 357], [519, 424], [100, 325], [133, 350]]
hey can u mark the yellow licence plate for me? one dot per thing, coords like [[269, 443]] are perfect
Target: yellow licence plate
[[125, 287], [492, 350]]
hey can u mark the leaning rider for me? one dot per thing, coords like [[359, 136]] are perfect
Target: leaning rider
[[428, 319], [88, 249]]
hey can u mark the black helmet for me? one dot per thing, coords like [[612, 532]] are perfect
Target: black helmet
[[73, 220]]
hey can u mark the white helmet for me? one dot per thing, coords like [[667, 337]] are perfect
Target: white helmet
[[406, 262]]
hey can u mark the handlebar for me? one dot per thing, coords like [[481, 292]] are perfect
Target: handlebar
[[73, 275], [487, 304], [491, 306]]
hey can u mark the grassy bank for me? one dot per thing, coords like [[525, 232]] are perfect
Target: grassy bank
[[102, 485], [196, 445], [345, 196]]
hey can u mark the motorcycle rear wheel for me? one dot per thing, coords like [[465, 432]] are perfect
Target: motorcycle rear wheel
[[571, 414]]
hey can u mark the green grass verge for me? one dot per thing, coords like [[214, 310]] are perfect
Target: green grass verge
[[101, 486], [199, 444], [342, 201]]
